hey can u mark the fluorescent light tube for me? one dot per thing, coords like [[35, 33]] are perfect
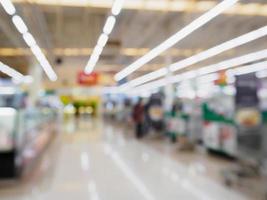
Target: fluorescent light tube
[[28, 38], [19, 24], [44, 62], [8, 7], [248, 69], [199, 22], [146, 78], [10, 72], [91, 64], [103, 38], [248, 37], [96, 53], [260, 68], [30, 41], [97, 50], [102, 41], [262, 74], [49, 70], [226, 65], [152, 85], [37, 52], [117, 6], [204, 70], [109, 25], [251, 57], [243, 39], [214, 68]]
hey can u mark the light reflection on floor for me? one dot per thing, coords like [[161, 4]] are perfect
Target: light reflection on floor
[[97, 160]]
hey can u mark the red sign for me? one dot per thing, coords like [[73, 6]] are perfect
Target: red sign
[[88, 79]]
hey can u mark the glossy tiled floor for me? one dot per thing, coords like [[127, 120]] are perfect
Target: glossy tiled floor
[[93, 160]]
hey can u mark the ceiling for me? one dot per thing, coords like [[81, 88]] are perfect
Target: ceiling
[[68, 30]]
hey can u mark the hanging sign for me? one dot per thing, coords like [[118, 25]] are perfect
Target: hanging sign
[[88, 79]]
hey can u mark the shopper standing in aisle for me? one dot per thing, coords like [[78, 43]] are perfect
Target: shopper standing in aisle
[[138, 118]]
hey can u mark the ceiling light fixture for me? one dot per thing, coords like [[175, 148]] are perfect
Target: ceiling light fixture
[[117, 6], [98, 50], [102, 41], [146, 78], [259, 68], [11, 72], [243, 39], [28, 38], [109, 25], [19, 24], [262, 74], [44, 62], [8, 7], [251, 57], [224, 65], [174, 39], [248, 69], [103, 38]]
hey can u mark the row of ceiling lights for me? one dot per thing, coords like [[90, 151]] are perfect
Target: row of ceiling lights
[[22, 28], [174, 39], [243, 39], [228, 45], [103, 38], [224, 65], [29, 39], [16, 76]]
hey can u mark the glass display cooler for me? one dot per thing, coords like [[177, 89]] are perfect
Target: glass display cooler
[[24, 134]]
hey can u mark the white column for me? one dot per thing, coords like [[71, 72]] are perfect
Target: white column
[[168, 90], [37, 73]]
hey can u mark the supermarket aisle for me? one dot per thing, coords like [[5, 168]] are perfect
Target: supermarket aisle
[[99, 161]]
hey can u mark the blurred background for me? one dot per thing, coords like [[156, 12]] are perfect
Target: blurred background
[[133, 99]]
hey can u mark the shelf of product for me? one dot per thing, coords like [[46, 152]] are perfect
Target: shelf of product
[[176, 124], [219, 132], [184, 120]]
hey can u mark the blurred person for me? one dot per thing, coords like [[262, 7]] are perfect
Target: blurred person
[[138, 118]]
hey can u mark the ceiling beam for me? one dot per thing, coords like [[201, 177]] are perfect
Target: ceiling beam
[[74, 52], [157, 5]]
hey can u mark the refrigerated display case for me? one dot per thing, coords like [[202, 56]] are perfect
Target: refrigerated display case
[[36, 128], [8, 117], [24, 134]]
